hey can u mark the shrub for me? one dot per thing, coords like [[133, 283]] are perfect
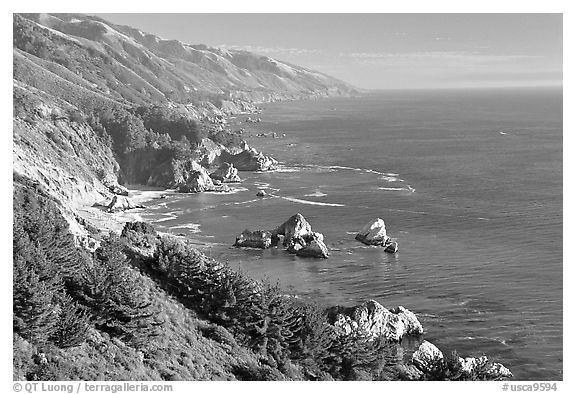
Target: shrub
[[278, 327], [73, 323], [112, 292], [34, 305]]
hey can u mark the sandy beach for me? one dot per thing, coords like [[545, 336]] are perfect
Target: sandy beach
[[106, 221]]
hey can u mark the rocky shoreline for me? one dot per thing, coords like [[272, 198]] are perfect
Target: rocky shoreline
[[369, 320]]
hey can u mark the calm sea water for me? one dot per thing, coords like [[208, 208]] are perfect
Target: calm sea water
[[470, 184]]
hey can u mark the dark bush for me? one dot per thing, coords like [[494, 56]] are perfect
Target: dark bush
[[115, 297], [278, 327]]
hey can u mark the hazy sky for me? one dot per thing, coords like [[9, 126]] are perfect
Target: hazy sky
[[385, 51]]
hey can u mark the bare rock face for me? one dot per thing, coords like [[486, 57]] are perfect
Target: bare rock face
[[471, 365], [112, 184], [371, 319], [314, 248], [122, 203], [210, 151], [427, 357], [197, 182], [390, 246], [373, 233], [250, 160], [226, 173], [295, 227], [187, 176], [87, 242], [254, 239]]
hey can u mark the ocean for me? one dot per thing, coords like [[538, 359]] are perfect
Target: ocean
[[468, 182]]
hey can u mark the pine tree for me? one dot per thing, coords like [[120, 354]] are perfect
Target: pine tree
[[34, 309], [73, 323], [113, 293]]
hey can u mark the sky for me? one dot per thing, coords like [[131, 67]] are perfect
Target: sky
[[385, 51]]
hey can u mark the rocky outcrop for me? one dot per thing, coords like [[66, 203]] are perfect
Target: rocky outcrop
[[295, 227], [121, 203], [187, 176], [114, 187], [87, 242], [250, 160], [374, 233], [297, 235], [314, 248], [373, 320], [210, 151], [175, 173], [226, 173], [492, 370], [390, 246], [197, 182], [429, 360], [254, 239]]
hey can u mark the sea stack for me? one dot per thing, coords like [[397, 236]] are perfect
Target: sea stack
[[226, 173], [254, 239], [373, 233]]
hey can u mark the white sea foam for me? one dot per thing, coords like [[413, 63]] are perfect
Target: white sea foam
[[193, 227], [389, 178], [169, 216], [316, 194], [397, 189], [233, 190], [243, 202], [286, 169], [312, 202]]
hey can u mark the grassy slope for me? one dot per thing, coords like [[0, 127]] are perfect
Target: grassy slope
[[184, 351], [188, 347]]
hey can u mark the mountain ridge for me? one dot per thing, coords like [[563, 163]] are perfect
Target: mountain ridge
[[83, 87]]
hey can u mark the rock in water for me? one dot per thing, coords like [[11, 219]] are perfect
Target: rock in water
[[427, 357], [261, 193], [293, 245], [296, 226], [371, 319], [121, 203], [373, 233], [250, 160], [226, 173], [254, 239], [314, 248], [197, 182], [391, 246], [472, 365]]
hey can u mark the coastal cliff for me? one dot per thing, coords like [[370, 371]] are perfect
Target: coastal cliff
[[98, 106]]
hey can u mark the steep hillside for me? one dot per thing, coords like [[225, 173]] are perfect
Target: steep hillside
[[123, 62], [97, 104]]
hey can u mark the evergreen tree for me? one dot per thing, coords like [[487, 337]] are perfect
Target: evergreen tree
[[73, 323]]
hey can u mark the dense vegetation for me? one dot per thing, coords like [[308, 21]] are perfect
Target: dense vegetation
[[118, 297], [64, 295]]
